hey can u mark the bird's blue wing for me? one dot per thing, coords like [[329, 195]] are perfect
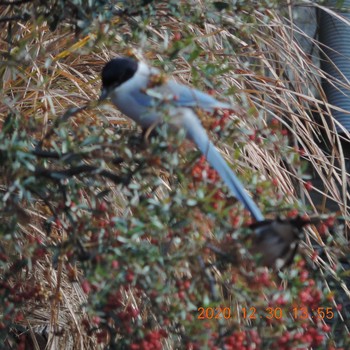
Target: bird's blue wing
[[180, 95], [188, 97], [141, 98]]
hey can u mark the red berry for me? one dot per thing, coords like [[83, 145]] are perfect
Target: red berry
[[129, 276], [115, 264], [330, 221], [326, 328], [85, 285], [274, 122], [252, 137], [308, 185], [102, 206], [177, 36], [322, 229], [181, 295], [259, 190], [275, 182], [292, 213]]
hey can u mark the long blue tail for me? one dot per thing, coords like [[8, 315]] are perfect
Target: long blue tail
[[199, 136]]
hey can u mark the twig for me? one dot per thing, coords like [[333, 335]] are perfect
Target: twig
[[14, 18], [48, 154], [69, 113], [14, 2], [210, 278], [52, 174]]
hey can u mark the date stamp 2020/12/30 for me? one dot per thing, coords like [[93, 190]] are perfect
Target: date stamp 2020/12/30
[[270, 313]]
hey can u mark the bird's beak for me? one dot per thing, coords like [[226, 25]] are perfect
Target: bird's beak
[[104, 94]]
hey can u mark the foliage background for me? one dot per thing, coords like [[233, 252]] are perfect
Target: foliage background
[[106, 243]]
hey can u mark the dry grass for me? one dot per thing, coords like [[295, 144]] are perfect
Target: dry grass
[[284, 84]]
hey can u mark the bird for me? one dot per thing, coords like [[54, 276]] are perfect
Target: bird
[[275, 242], [148, 97]]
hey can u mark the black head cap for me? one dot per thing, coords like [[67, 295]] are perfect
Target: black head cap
[[118, 71]]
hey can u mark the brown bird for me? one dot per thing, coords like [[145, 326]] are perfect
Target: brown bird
[[273, 243], [276, 241]]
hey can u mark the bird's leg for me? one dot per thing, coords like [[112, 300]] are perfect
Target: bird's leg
[[150, 131]]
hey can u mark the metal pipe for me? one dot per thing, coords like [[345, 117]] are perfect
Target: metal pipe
[[334, 36]]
